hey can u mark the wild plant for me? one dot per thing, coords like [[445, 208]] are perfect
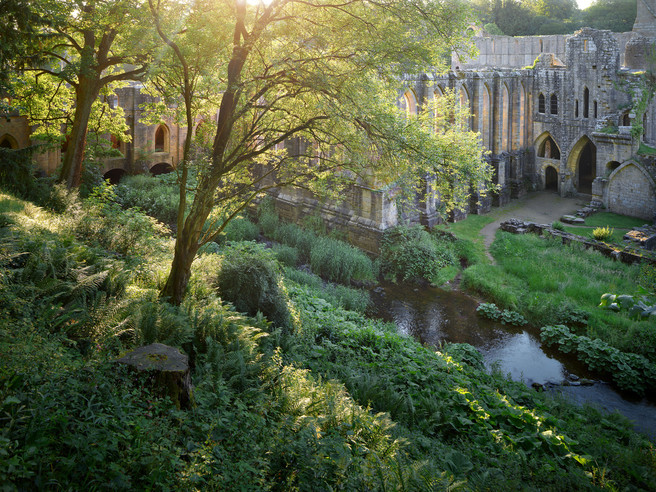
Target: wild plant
[[602, 233]]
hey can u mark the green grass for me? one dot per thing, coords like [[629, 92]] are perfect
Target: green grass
[[603, 219], [621, 224], [469, 231], [551, 284]]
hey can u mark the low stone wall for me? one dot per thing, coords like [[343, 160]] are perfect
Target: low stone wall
[[516, 226]]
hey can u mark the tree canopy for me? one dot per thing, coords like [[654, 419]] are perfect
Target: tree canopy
[[534, 17], [327, 74]]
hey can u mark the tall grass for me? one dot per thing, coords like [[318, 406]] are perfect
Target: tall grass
[[340, 262], [335, 260], [555, 284]]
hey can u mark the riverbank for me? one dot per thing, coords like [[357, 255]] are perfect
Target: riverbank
[[322, 399]]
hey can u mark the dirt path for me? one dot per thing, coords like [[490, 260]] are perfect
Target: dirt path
[[542, 207]]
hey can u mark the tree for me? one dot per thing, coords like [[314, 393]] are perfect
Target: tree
[[615, 15], [90, 45], [327, 74]]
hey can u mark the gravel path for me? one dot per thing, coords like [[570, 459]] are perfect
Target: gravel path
[[542, 207]]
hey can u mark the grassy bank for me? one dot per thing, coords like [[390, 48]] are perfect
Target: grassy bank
[[556, 285], [324, 399]]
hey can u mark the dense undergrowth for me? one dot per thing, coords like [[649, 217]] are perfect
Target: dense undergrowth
[[319, 399]]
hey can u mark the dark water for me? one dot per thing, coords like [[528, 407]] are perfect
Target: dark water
[[434, 316]]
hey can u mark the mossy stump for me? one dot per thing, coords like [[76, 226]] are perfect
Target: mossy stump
[[168, 369]]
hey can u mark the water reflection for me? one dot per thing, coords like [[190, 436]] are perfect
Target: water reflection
[[434, 316]]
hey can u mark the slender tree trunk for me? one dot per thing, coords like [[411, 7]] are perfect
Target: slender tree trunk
[[186, 242], [186, 247], [85, 94]]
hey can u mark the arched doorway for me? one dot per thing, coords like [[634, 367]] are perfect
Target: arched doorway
[[587, 168], [550, 178], [161, 168], [114, 175]]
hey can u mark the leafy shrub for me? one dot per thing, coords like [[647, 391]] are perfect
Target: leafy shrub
[[340, 262], [558, 225], [126, 232], [491, 311], [150, 194], [286, 255], [240, 229], [409, 253], [602, 233], [639, 309], [465, 354], [249, 278], [631, 372], [339, 295]]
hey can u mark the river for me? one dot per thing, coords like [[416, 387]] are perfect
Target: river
[[434, 316]]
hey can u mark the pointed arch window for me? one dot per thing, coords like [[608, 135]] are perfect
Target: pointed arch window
[[586, 102], [161, 139], [8, 142], [553, 104], [541, 104]]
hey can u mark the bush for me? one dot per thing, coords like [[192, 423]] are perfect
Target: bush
[[340, 262], [338, 295], [409, 253], [631, 372], [491, 311], [602, 233], [151, 194], [239, 229], [292, 235], [249, 278], [286, 255], [267, 218], [559, 226]]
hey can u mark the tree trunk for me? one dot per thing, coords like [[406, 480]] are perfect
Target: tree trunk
[[186, 247], [176, 283], [85, 94]]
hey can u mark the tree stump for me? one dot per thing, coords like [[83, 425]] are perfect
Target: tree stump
[[169, 369]]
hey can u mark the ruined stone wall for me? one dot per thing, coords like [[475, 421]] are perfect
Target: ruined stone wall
[[139, 155], [631, 191], [521, 51], [362, 216]]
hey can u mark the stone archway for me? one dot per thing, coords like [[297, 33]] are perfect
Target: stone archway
[[8, 142], [550, 178], [547, 147], [114, 175], [587, 168], [161, 168], [582, 163]]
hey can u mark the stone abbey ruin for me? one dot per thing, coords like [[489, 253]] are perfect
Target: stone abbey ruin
[[568, 113], [556, 113]]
